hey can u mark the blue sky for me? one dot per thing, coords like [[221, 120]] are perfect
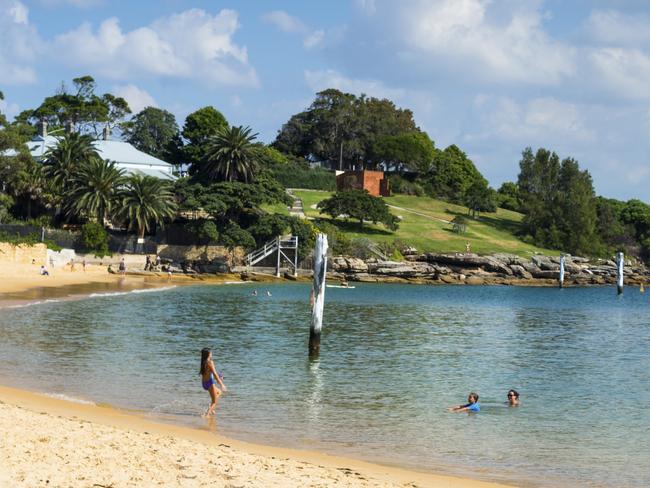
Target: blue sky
[[490, 76]]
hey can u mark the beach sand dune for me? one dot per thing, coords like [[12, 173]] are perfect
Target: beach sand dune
[[48, 442]]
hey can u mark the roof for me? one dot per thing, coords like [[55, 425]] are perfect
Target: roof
[[122, 153]]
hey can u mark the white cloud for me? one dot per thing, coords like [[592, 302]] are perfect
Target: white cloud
[[477, 37], [19, 44], [538, 119], [74, 3], [314, 39], [369, 7], [285, 22], [137, 98], [320, 80], [615, 28], [625, 72], [9, 109], [192, 44]]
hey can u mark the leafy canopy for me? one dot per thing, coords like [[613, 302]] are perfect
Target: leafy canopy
[[359, 205]]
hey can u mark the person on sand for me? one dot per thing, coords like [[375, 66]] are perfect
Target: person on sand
[[472, 405], [122, 267], [209, 378], [513, 398], [44, 272], [71, 264], [83, 264]]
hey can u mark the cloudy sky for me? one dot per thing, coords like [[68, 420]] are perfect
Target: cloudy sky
[[492, 76]]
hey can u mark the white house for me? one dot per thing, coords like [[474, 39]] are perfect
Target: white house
[[123, 154]]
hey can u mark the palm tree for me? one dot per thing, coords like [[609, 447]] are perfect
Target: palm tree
[[94, 189], [62, 161], [231, 155], [146, 200]]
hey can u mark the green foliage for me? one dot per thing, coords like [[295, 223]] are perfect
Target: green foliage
[[205, 231], [86, 111], [343, 129], [479, 197], [412, 150], [300, 175], [232, 235], [63, 161], [146, 200], [339, 242], [559, 202], [507, 196], [94, 238], [154, 131], [229, 156], [459, 224], [399, 184], [359, 205], [199, 127], [94, 190], [6, 202], [452, 173]]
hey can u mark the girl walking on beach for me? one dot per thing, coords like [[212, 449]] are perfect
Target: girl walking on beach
[[210, 377]]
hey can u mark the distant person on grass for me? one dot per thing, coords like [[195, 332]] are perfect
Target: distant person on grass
[[209, 378], [472, 405]]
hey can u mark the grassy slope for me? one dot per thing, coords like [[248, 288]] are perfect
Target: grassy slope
[[490, 233]]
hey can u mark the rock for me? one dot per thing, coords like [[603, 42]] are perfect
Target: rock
[[475, 280], [546, 274], [521, 272], [403, 269], [468, 260]]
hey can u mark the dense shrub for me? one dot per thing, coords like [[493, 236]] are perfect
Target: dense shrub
[[401, 185], [300, 175], [94, 238], [234, 236]]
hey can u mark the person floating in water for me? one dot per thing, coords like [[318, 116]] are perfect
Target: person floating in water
[[513, 398], [268, 293], [254, 293], [472, 405], [210, 377]]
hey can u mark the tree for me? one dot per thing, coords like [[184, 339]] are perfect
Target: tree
[[95, 189], [63, 161], [479, 197], [360, 205], [95, 238], [154, 131], [230, 155], [452, 172], [199, 127], [508, 196], [146, 200], [82, 109], [459, 224], [409, 150]]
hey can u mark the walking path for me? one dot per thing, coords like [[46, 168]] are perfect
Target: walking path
[[420, 214], [296, 209]]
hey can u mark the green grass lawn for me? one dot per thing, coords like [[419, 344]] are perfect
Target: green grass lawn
[[490, 233]]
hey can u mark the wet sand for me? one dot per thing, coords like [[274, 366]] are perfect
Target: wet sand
[[56, 443]]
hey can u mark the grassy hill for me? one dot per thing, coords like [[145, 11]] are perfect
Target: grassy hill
[[425, 225]]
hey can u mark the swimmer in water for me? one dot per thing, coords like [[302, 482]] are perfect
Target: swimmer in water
[[513, 398], [472, 405]]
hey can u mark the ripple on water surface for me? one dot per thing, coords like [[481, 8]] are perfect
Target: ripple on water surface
[[393, 358]]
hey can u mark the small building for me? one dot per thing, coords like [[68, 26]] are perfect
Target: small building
[[123, 154], [374, 182]]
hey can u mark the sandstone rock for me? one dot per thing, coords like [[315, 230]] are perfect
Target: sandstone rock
[[521, 272], [475, 280]]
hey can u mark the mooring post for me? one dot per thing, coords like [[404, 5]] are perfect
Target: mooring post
[[318, 294], [620, 258], [561, 270]]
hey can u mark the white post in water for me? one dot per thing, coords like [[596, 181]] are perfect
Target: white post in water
[[619, 272], [561, 270], [318, 294]]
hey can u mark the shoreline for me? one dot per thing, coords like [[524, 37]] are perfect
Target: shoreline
[[60, 420]]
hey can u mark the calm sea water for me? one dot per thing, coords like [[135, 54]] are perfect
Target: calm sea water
[[393, 358]]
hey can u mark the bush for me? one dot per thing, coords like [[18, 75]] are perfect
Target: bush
[[339, 242], [459, 224], [234, 236], [202, 231], [94, 238], [359, 205], [300, 175], [401, 185]]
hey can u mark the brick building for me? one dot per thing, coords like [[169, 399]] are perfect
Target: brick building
[[372, 181]]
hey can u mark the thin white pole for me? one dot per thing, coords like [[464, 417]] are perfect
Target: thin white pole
[[277, 266], [620, 258], [295, 259], [320, 271], [562, 271]]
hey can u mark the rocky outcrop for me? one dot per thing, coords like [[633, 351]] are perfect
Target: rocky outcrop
[[473, 269]]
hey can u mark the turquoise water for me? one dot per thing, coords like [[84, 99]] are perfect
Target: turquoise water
[[393, 357]]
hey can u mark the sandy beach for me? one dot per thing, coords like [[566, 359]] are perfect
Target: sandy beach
[[56, 443]]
